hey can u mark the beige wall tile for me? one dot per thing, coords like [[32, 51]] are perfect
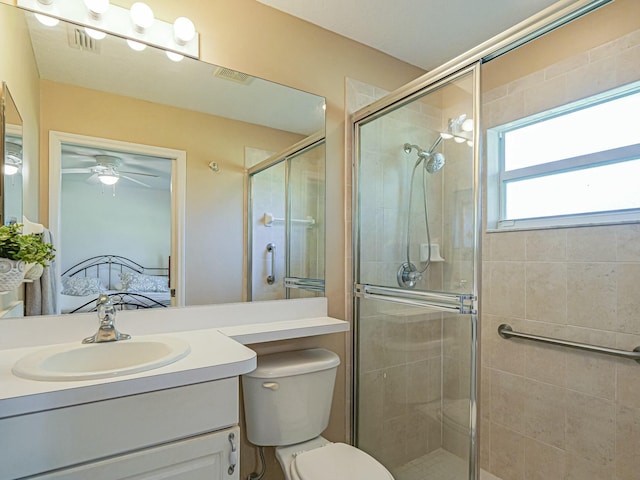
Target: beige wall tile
[[547, 245], [590, 427], [628, 243], [579, 468], [592, 244], [507, 246], [508, 396], [395, 392], [545, 95], [543, 462], [505, 355], [545, 363], [628, 301], [507, 453], [627, 443], [628, 65], [544, 413], [566, 66], [507, 289], [590, 79], [591, 295], [546, 292]]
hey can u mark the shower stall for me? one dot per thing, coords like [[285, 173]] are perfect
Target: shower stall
[[416, 270]]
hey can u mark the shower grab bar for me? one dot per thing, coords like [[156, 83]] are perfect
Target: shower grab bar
[[271, 248], [505, 331], [268, 219], [448, 302], [313, 284]]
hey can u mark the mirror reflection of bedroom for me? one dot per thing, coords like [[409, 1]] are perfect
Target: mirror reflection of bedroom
[[121, 201]]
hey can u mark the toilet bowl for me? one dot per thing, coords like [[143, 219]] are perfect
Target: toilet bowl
[[319, 459], [287, 400]]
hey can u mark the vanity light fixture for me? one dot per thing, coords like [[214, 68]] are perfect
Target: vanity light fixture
[[174, 57], [137, 46], [137, 24], [108, 178], [141, 16], [97, 8], [95, 34], [183, 30]]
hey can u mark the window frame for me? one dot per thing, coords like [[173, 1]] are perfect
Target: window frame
[[498, 178]]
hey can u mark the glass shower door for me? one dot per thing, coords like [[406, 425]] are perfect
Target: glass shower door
[[416, 269]]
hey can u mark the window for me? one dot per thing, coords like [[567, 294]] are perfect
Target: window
[[575, 164]]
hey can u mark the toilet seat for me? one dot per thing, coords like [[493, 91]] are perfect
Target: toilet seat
[[337, 461]]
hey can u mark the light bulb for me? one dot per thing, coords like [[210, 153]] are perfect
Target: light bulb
[[10, 169], [467, 125], [470, 143], [446, 136], [137, 46], [46, 20], [108, 179], [459, 139], [97, 7], [183, 30], [174, 57], [95, 34], [141, 16], [45, 2]]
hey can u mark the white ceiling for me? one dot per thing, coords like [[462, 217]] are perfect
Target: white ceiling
[[425, 33]]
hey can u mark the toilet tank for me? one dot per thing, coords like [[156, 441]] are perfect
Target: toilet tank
[[287, 398]]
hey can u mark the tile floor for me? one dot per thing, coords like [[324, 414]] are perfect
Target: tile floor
[[437, 465]]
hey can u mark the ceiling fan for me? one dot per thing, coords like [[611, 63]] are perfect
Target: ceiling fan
[[107, 171]]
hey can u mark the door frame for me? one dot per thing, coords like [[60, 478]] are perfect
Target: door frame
[[178, 196]]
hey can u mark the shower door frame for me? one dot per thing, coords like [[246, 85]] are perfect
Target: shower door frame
[[535, 26], [465, 303]]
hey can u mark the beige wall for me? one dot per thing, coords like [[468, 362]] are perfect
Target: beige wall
[[549, 412], [19, 71]]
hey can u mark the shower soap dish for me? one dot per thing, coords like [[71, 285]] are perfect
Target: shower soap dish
[[435, 252]]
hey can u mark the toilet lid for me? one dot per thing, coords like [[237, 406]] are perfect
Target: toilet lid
[[338, 461]]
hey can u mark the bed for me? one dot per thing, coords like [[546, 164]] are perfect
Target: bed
[[130, 285]]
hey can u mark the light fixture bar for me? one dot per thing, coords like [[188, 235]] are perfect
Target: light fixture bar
[[117, 21]]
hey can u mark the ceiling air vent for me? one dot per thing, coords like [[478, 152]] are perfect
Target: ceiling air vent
[[79, 39], [238, 77]]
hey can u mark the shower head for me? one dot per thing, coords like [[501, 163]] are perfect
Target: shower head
[[433, 162]]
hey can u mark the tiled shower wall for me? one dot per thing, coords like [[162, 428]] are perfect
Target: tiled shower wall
[[549, 412]]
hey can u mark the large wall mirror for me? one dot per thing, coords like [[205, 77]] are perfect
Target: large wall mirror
[[11, 128], [147, 160]]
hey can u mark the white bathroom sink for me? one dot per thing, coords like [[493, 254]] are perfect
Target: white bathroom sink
[[77, 361]]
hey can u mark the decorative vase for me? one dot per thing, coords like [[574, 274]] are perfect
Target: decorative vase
[[11, 274], [33, 271]]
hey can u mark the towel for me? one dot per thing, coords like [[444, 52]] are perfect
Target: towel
[[41, 296]]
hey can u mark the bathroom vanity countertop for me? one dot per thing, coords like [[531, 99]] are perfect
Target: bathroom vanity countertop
[[213, 356], [216, 334]]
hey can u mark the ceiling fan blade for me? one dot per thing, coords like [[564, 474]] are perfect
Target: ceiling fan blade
[[138, 173], [76, 170], [135, 181], [93, 179]]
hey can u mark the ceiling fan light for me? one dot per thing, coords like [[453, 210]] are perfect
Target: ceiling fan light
[[10, 169], [108, 179]]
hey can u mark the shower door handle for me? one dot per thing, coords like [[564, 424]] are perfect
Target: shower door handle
[[271, 248]]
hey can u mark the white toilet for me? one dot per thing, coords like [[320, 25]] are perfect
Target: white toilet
[[287, 400]]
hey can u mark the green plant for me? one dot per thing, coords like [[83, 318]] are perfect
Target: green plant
[[28, 248]]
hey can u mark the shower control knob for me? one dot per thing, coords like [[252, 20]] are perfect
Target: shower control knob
[[408, 275]]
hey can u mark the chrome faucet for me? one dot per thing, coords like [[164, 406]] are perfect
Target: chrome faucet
[[107, 331]]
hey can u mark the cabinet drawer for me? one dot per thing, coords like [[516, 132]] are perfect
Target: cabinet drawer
[[206, 456], [44, 441]]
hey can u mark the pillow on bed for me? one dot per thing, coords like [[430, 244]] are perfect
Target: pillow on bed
[[81, 286], [139, 282]]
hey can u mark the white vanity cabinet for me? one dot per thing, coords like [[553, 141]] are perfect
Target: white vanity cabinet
[[207, 457], [182, 433]]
